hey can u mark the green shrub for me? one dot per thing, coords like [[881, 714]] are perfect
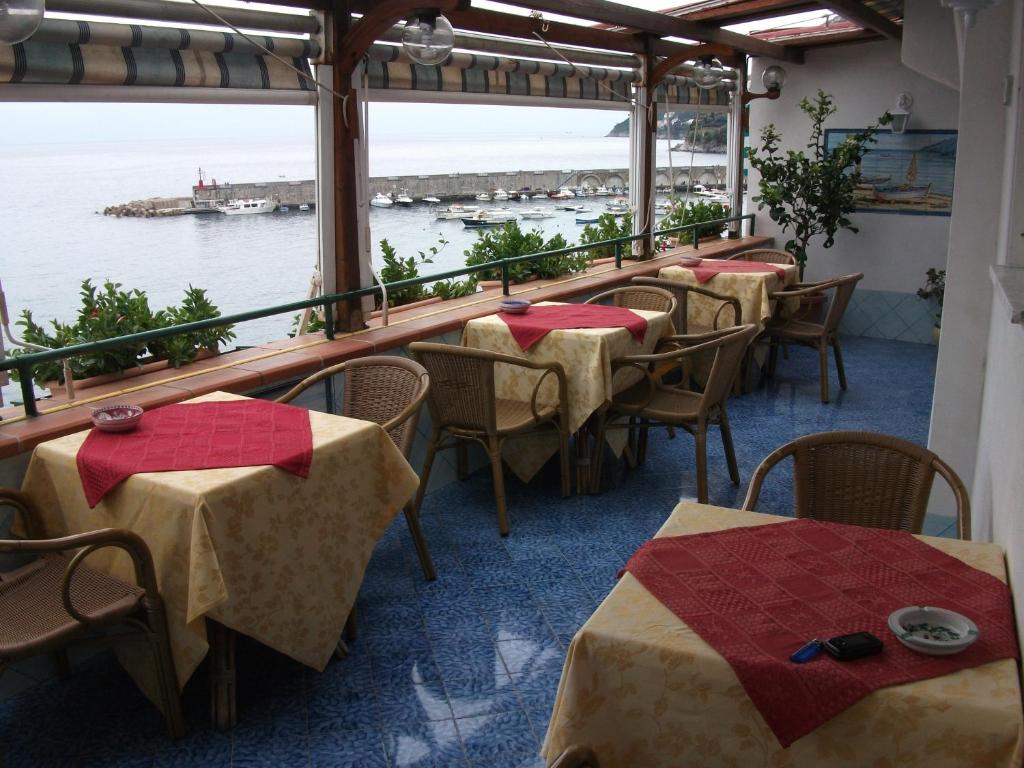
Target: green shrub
[[694, 213], [510, 241], [608, 227], [454, 289], [396, 269], [111, 312]]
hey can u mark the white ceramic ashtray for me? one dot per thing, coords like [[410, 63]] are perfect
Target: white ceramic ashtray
[[690, 261], [117, 418], [934, 631], [514, 306]]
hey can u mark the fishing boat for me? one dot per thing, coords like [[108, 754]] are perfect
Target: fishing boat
[[488, 219], [403, 199], [381, 200], [455, 211], [500, 194], [602, 191], [237, 207], [483, 197], [537, 213], [431, 199], [564, 194], [540, 196], [907, 192]]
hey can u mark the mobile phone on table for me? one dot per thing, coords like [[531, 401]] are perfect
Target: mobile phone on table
[[853, 646]]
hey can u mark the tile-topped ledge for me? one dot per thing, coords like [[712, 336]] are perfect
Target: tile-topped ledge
[[278, 362], [1009, 286]]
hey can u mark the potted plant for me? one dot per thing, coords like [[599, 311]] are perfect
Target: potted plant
[[510, 241], [935, 289], [696, 212], [811, 193]]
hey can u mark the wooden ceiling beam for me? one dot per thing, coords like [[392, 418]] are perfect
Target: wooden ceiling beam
[[659, 24], [749, 10], [858, 13]]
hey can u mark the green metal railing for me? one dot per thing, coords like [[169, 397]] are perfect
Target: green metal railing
[[24, 364]]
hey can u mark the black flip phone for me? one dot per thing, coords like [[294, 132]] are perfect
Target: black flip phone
[[853, 646]]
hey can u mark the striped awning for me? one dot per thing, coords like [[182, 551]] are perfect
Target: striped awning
[[389, 68], [65, 52]]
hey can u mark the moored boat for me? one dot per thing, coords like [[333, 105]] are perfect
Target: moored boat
[[455, 211], [537, 213], [501, 195], [431, 199], [488, 219], [483, 197], [237, 207], [381, 200]]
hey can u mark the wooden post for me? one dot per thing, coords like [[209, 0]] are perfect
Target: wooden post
[[737, 130], [643, 128]]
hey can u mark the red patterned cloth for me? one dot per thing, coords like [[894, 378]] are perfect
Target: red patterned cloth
[[238, 433], [708, 268], [538, 322], [757, 594]]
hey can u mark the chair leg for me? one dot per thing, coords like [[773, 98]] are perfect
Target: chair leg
[[730, 452], [412, 518], [494, 450], [462, 460], [823, 365], [641, 447], [598, 460], [701, 436], [563, 457], [838, 352], [428, 464], [223, 710], [773, 357]]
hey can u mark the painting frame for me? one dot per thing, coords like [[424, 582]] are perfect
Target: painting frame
[[906, 174]]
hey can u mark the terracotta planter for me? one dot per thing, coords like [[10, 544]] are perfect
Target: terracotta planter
[[410, 305], [485, 284], [129, 373]]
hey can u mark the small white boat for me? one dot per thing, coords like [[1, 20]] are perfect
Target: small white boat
[[382, 201], [500, 194], [237, 207], [662, 207], [539, 196], [537, 213], [284, 209], [403, 199], [304, 207], [483, 197], [602, 191], [564, 194], [488, 219], [431, 199], [455, 212], [617, 209]]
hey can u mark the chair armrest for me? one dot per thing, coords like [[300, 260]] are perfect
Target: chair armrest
[[9, 497]]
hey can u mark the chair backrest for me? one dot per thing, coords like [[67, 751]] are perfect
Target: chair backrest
[[638, 297], [844, 287], [729, 309], [384, 389], [863, 478], [461, 385], [729, 348], [766, 255]]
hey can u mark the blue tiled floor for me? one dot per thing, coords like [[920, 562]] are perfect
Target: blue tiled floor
[[463, 671]]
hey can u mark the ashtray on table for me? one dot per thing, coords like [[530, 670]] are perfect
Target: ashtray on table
[[117, 418], [690, 261], [935, 631], [514, 306]]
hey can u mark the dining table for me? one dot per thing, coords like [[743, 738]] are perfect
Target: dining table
[[250, 549], [641, 687], [586, 355]]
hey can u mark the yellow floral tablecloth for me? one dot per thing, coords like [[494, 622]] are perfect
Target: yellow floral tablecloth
[[262, 551], [642, 689], [750, 288], [585, 354]]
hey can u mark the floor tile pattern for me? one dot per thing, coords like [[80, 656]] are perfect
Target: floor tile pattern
[[462, 671]]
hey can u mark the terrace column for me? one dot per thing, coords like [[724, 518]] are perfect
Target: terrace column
[[735, 150], [643, 127]]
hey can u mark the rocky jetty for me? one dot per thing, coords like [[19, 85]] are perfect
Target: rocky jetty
[[154, 206]]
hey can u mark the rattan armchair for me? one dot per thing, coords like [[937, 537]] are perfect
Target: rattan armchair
[[817, 335], [464, 406], [863, 478], [56, 601], [728, 314], [651, 402], [389, 391], [638, 297], [766, 255]]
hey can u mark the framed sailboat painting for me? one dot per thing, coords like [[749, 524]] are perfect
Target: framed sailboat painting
[[905, 173]]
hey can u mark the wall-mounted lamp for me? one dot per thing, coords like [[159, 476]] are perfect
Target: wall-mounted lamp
[[901, 112], [968, 9], [428, 37], [707, 72], [773, 78], [19, 19]]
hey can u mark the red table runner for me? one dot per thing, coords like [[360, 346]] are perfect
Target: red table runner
[[757, 594], [708, 268], [235, 433], [534, 325]]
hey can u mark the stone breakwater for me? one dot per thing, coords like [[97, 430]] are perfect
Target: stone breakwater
[[152, 207]]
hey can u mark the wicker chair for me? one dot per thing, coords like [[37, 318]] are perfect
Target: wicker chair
[[651, 403], [577, 757], [681, 292], [464, 407], [818, 335], [56, 601], [863, 478], [766, 255], [389, 391], [638, 297]]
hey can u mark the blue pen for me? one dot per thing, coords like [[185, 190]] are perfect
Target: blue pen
[[806, 652]]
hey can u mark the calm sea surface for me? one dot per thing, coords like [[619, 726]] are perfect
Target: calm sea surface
[[53, 236]]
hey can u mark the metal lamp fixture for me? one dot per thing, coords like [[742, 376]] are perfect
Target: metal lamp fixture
[[773, 78], [901, 112], [707, 72], [968, 9], [428, 38], [19, 19]]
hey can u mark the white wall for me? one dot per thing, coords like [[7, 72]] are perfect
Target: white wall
[[892, 251]]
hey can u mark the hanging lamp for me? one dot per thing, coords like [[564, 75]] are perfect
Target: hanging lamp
[[428, 37], [19, 19]]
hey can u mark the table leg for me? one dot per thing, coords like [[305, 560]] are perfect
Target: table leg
[[582, 460], [223, 713]]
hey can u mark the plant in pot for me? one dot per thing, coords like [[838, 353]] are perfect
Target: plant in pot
[[396, 269], [811, 193], [682, 215], [935, 289], [510, 241]]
